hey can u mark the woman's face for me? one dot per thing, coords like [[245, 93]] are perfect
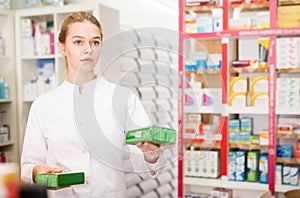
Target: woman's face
[[82, 47]]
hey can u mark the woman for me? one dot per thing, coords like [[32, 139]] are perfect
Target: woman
[[80, 125]]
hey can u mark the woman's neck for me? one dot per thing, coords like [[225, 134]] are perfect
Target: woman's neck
[[81, 79]]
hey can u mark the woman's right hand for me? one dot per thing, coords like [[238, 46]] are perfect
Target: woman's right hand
[[43, 168]]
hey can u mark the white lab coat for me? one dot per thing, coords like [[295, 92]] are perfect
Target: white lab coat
[[54, 133]]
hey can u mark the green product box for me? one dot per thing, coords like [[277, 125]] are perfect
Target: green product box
[[252, 166], [254, 139], [54, 180], [154, 134]]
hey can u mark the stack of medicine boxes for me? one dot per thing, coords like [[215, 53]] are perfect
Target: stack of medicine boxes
[[245, 165]]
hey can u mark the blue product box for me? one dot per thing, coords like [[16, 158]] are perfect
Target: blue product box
[[233, 137], [240, 165], [244, 137], [246, 124], [284, 151], [234, 125], [231, 166], [201, 64], [189, 67], [263, 168]]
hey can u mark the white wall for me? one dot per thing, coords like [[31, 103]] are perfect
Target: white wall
[[136, 13]]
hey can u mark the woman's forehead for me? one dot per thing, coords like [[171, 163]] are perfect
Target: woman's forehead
[[83, 28]]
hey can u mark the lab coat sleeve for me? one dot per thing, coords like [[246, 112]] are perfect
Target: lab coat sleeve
[[138, 118], [34, 146]]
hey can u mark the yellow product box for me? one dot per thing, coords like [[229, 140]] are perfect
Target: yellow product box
[[288, 9], [259, 84], [238, 84], [264, 137], [237, 99], [288, 24], [263, 51], [260, 99]]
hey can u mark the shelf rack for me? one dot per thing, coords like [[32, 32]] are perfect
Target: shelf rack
[[271, 111]]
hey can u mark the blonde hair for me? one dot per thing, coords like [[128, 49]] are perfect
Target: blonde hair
[[81, 16]]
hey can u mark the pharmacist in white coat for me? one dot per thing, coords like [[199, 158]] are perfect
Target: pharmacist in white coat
[[80, 126]]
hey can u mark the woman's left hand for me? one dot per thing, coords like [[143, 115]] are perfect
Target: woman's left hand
[[151, 151]]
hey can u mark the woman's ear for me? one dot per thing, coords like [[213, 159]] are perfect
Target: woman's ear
[[61, 48]]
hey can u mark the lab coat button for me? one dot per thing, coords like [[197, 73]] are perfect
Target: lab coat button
[[83, 151], [153, 172], [86, 182]]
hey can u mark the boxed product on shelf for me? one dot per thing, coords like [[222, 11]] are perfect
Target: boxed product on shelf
[[264, 137], [263, 168], [54, 180], [260, 99], [237, 99], [244, 64], [287, 51], [5, 4], [286, 175], [204, 24], [294, 176], [241, 161], [202, 163], [234, 125], [263, 51], [244, 137], [238, 84], [246, 124], [285, 128], [284, 151], [153, 134], [278, 174], [254, 139], [239, 24], [259, 84], [288, 16], [231, 166], [252, 166]]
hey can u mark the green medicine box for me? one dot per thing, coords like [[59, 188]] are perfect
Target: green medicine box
[[154, 134], [54, 180]]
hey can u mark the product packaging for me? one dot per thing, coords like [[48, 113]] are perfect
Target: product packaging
[[154, 134], [54, 180]]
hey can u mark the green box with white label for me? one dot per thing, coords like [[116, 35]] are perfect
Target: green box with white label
[[55, 180], [154, 134]]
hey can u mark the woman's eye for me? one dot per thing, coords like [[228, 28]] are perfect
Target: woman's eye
[[95, 43], [77, 42]]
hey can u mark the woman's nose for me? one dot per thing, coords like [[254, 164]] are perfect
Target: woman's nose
[[88, 48]]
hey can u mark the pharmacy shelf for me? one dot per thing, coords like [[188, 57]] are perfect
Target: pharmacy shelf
[[288, 136], [284, 188], [204, 109], [247, 70], [288, 160], [249, 146], [5, 100], [248, 110], [292, 2], [28, 100], [251, 6], [225, 184], [207, 71], [7, 144], [200, 8], [246, 33], [38, 57], [288, 70], [287, 111], [203, 146]]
